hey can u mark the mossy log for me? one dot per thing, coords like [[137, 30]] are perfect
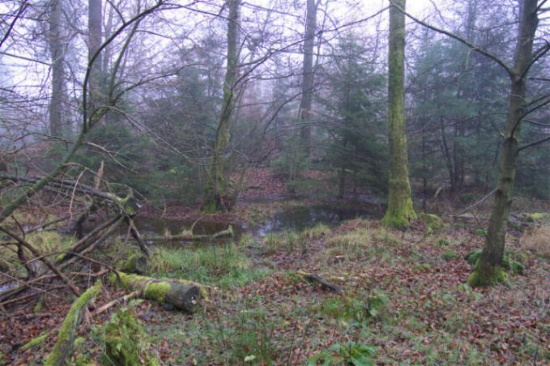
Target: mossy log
[[63, 348], [182, 295]]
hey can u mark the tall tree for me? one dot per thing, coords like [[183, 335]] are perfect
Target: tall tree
[[95, 21], [308, 75], [489, 268], [216, 195], [400, 206], [57, 51]]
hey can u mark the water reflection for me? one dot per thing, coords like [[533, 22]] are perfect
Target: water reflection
[[306, 217]]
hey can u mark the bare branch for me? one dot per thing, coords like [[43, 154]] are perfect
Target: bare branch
[[19, 14], [534, 143], [468, 44]]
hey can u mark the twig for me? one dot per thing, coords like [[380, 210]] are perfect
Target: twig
[[477, 203], [120, 300]]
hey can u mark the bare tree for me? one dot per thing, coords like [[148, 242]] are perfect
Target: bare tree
[[216, 195], [308, 74], [57, 49], [489, 268]]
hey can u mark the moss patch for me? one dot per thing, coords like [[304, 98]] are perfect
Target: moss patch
[[510, 265], [432, 222], [63, 347], [36, 341], [479, 279], [126, 342], [157, 291]]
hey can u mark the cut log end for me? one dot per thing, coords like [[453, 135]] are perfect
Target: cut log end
[[183, 297]]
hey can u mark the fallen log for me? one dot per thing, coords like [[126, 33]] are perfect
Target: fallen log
[[190, 237], [63, 348], [180, 294], [325, 285]]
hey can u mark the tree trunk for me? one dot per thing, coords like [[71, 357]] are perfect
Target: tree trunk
[[94, 43], [182, 295], [489, 268], [216, 197], [400, 207], [308, 76], [57, 121]]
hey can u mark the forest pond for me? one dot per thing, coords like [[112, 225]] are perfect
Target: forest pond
[[293, 219]]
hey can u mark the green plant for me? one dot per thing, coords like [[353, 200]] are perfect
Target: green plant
[[225, 266], [376, 304], [450, 255], [481, 232], [351, 353], [126, 342], [251, 338]]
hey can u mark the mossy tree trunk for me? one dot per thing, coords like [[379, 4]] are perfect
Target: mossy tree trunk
[[216, 195], [400, 207], [308, 76], [489, 267]]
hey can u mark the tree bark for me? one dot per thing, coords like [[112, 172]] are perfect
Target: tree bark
[[489, 268], [400, 207], [308, 76], [216, 197]]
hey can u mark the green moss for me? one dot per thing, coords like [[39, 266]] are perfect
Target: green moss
[[479, 279], [153, 288], [508, 264], [398, 221], [473, 256], [513, 266], [540, 215], [432, 222], [126, 342], [157, 291], [63, 346], [481, 232], [35, 341]]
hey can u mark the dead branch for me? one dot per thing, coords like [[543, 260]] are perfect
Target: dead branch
[[44, 260], [325, 285]]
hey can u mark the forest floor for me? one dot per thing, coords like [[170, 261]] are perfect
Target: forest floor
[[404, 301]]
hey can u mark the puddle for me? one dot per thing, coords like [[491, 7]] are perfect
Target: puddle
[[294, 219], [306, 217]]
